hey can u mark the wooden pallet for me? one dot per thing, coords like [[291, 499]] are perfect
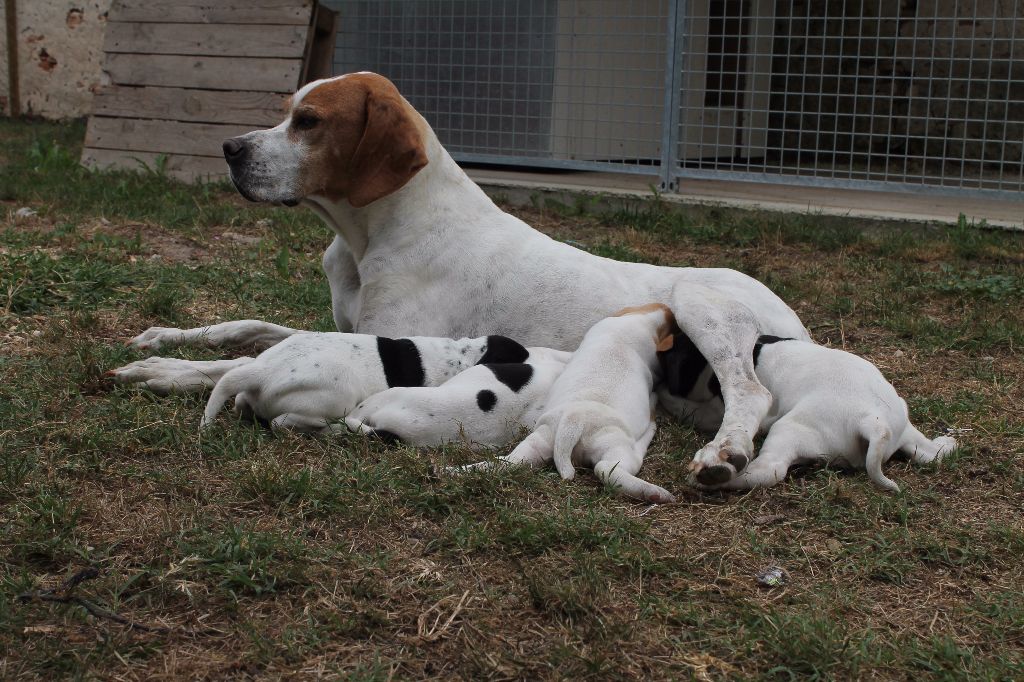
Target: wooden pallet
[[186, 74]]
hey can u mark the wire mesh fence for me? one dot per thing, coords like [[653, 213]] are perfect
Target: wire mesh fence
[[922, 95]]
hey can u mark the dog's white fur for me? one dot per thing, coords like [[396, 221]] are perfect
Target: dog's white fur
[[311, 381], [828, 406], [455, 410], [600, 411], [435, 256]]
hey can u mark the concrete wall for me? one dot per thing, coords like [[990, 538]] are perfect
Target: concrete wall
[[917, 79], [60, 52]]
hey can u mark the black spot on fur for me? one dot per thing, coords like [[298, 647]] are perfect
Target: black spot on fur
[[501, 349], [681, 365], [515, 375], [486, 400], [401, 360], [764, 340]]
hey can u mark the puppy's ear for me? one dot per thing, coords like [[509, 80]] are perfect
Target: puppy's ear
[[390, 151], [501, 349], [666, 342]]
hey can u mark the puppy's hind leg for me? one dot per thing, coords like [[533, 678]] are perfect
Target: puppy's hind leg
[[535, 451], [616, 473], [921, 449], [788, 442], [300, 423]]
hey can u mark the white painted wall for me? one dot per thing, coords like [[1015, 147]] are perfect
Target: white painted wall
[[60, 53]]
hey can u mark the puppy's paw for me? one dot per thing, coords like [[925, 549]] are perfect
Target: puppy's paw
[[944, 445], [164, 376]]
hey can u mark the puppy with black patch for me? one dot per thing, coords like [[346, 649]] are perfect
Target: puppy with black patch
[[487, 405], [600, 411], [827, 405], [309, 381]]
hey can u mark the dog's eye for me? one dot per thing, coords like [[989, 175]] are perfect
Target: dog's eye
[[305, 122]]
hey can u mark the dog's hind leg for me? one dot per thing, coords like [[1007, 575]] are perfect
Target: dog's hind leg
[[617, 473], [535, 451], [164, 376], [300, 423], [921, 449]]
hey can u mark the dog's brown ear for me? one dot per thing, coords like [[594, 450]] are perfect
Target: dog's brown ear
[[666, 342], [390, 151]]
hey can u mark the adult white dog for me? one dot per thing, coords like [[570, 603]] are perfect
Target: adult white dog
[[420, 249]]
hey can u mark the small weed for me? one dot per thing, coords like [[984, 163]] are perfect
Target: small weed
[[247, 561]]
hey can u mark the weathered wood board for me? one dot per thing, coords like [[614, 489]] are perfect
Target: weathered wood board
[[210, 40], [270, 12], [187, 74], [191, 104]]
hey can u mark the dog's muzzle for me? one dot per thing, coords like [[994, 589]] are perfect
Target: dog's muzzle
[[236, 153]]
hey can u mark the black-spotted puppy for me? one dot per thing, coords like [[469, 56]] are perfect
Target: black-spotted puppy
[[828, 405], [600, 411], [310, 381], [486, 405]]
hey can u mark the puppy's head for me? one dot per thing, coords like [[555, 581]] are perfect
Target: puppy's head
[[353, 137], [663, 319], [681, 364]]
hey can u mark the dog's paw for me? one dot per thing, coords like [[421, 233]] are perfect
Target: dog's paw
[[156, 337], [718, 463], [163, 376]]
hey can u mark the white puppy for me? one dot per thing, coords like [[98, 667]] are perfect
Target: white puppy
[[486, 405], [600, 411], [828, 405], [310, 380]]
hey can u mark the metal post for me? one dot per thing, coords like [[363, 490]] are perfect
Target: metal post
[[675, 43], [12, 58]]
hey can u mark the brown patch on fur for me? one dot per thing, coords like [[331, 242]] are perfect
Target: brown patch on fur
[[667, 330], [368, 144]]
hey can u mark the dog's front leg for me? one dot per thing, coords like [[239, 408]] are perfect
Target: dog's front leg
[[164, 376], [724, 331], [343, 277], [256, 333]]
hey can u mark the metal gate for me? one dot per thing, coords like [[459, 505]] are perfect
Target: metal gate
[[905, 95]]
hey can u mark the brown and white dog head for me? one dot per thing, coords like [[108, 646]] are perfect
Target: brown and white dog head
[[351, 137]]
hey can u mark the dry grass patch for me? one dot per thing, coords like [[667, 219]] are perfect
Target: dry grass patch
[[249, 555]]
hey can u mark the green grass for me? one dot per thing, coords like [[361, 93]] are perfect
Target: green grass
[[271, 556]]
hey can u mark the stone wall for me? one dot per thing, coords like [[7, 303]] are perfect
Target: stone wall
[[915, 80], [60, 52]]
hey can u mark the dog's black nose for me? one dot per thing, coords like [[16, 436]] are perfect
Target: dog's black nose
[[234, 148]]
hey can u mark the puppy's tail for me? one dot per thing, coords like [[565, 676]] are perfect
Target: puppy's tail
[[567, 435], [879, 449], [231, 384], [611, 473]]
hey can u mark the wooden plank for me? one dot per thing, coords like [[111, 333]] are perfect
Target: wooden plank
[[182, 104], [179, 166], [198, 39], [262, 74], [319, 58], [277, 12], [133, 134]]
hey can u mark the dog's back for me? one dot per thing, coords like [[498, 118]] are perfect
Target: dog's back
[[603, 400], [842, 404]]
